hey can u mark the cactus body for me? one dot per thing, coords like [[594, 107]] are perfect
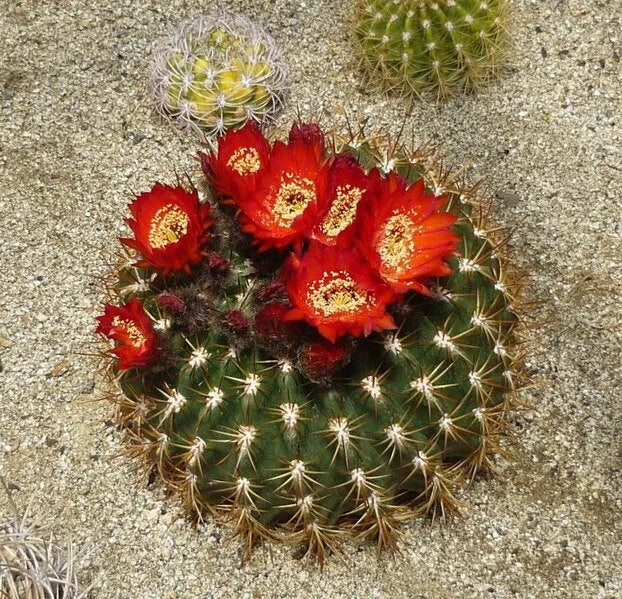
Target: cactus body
[[214, 74], [244, 428], [438, 46]]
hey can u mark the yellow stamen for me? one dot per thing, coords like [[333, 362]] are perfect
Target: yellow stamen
[[245, 161], [337, 293], [137, 339], [397, 244], [342, 211], [169, 225], [292, 198]]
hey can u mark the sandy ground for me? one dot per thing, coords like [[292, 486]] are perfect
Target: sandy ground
[[77, 135]]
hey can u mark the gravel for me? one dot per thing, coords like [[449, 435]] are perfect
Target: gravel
[[78, 135]]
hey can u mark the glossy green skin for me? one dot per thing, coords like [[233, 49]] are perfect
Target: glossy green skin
[[391, 477], [421, 46]]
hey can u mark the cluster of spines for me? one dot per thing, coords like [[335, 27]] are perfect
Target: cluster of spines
[[440, 47], [32, 565], [244, 435], [217, 73]]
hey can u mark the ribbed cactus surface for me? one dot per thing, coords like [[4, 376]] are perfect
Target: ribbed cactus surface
[[431, 46], [239, 417]]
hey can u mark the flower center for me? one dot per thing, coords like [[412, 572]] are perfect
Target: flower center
[[136, 338], [245, 161], [342, 211], [294, 195], [397, 244], [169, 225], [337, 293]]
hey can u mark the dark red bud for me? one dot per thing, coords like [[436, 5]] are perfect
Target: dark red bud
[[310, 133], [270, 324], [217, 263], [173, 304], [320, 358], [237, 321], [271, 291]]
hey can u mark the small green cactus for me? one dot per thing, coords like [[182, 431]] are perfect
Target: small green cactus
[[269, 426], [439, 47], [216, 73]]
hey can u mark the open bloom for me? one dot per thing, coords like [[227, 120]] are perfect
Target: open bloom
[[170, 228], [285, 205], [334, 290], [342, 192], [237, 167], [405, 235], [132, 329]]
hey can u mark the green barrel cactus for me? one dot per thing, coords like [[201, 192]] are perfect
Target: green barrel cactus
[[216, 73], [251, 414], [439, 47]]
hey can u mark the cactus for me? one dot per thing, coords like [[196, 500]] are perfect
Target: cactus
[[441, 47], [32, 566], [303, 390], [216, 73]]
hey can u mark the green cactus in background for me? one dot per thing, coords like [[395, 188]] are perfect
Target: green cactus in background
[[439, 47], [216, 73], [242, 417]]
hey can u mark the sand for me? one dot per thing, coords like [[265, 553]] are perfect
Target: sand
[[78, 136]]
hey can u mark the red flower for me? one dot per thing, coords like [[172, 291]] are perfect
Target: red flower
[[131, 328], [343, 191], [285, 205], [170, 228], [240, 162], [334, 290], [404, 233], [319, 359]]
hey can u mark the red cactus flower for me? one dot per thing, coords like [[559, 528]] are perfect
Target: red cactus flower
[[285, 205], [131, 328], [345, 190], [236, 168], [405, 235], [335, 290], [319, 359], [170, 228]]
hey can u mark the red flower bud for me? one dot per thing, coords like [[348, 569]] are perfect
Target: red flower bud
[[269, 323], [310, 134], [219, 264], [172, 303], [237, 321], [271, 291], [320, 358]]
